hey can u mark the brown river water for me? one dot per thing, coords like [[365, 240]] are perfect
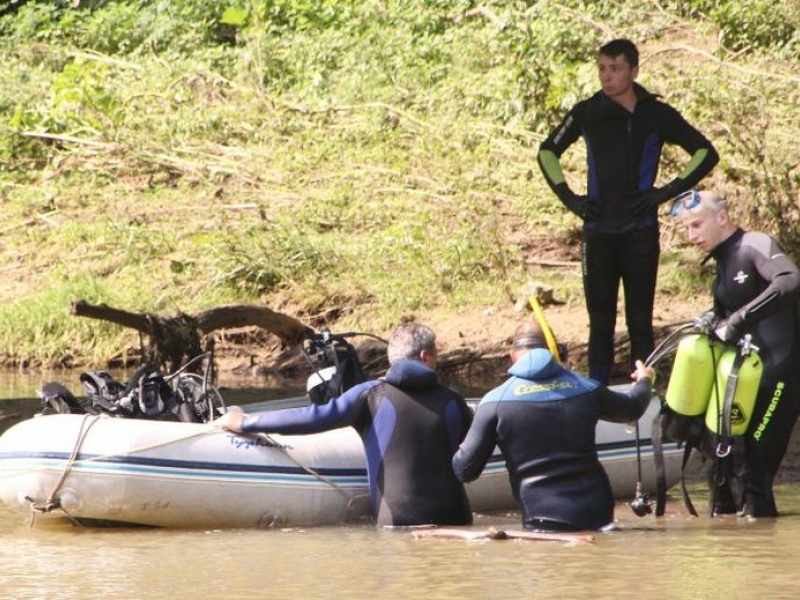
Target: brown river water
[[675, 556]]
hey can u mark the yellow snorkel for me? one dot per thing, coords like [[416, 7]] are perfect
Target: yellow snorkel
[[548, 333]]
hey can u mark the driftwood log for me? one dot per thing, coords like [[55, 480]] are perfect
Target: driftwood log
[[493, 533], [174, 340]]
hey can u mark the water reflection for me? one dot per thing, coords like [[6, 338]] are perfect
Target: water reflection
[[673, 557], [23, 384], [235, 389]]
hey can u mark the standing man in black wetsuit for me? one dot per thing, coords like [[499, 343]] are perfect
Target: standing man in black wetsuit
[[543, 419], [624, 127], [756, 290], [410, 424]]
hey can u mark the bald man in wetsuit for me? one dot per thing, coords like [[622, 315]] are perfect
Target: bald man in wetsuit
[[756, 291], [410, 425]]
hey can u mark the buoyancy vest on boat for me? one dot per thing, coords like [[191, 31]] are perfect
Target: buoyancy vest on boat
[[147, 394], [102, 390], [57, 398], [337, 370]]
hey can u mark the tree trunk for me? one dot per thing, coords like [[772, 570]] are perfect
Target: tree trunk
[[175, 340]]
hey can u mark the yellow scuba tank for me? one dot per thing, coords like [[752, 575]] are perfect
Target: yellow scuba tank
[[744, 399], [692, 376]]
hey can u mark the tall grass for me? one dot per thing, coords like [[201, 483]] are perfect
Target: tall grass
[[359, 161]]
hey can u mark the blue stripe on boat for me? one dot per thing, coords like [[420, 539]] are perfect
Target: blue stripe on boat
[[143, 465]]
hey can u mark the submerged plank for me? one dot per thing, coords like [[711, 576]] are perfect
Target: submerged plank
[[501, 534]]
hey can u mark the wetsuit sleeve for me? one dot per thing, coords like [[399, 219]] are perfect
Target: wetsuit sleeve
[[338, 412], [624, 407], [463, 420], [550, 151], [476, 449], [782, 275], [704, 157]]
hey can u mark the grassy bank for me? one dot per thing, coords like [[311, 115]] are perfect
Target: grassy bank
[[349, 163]]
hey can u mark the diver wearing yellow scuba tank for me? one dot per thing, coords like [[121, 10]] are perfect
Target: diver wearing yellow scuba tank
[[756, 291]]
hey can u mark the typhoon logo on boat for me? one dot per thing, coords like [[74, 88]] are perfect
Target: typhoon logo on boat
[[254, 442]]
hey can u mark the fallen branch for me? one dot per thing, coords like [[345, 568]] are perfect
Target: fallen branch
[[288, 329], [98, 57], [488, 14], [174, 340]]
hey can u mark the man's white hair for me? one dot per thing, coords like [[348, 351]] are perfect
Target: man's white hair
[[409, 340], [713, 201]]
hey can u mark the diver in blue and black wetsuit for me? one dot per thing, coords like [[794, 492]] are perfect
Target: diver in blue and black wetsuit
[[624, 128], [543, 420], [410, 425]]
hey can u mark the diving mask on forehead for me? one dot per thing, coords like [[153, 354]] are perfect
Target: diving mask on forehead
[[685, 201]]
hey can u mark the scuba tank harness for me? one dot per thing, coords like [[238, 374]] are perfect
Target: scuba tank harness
[[702, 368]]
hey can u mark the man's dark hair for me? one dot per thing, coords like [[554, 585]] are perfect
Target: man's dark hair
[[621, 46]]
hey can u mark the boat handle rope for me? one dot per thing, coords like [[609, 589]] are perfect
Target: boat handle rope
[[271, 441], [52, 502], [312, 472], [15, 472]]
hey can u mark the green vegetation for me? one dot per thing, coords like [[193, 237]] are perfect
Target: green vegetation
[[350, 162]]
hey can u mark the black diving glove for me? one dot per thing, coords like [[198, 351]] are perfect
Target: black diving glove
[[581, 206], [731, 329], [644, 202]]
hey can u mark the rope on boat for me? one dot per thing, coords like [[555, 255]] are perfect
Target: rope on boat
[[312, 472], [15, 472], [271, 441], [52, 502], [145, 448]]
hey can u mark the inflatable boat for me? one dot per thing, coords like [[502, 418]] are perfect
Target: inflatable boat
[[145, 453], [97, 469]]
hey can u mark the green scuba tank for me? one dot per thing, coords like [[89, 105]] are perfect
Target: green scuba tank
[[692, 376], [745, 390]]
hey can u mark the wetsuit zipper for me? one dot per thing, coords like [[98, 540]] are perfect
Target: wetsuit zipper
[[632, 182]]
